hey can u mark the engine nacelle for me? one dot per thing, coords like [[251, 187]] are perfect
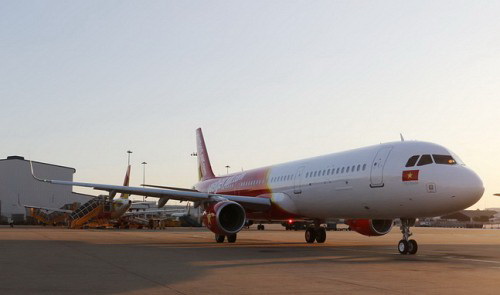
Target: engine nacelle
[[224, 217], [370, 227]]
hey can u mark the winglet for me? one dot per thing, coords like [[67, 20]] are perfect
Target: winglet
[[33, 174], [401, 136]]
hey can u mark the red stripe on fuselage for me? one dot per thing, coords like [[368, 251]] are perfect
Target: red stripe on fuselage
[[252, 183]]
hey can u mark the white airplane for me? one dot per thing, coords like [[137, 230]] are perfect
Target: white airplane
[[369, 187]]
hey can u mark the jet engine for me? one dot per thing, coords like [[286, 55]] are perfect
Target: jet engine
[[370, 227], [224, 217]]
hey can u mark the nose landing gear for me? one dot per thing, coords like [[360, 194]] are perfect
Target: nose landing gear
[[407, 246]]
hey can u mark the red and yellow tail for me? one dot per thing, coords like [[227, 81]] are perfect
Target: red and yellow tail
[[204, 168], [126, 183]]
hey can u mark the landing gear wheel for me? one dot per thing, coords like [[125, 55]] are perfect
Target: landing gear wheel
[[403, 247], [220, 238], [407, 246], [310, 234], [321, 235], [412, 247], [231, 238], [260, 227]]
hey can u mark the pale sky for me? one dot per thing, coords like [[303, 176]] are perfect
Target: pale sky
[[82, 82]]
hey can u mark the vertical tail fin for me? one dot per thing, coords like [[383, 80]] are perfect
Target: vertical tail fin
[[126, 183], [204, 168]]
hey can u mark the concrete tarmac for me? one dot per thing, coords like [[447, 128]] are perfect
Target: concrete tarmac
[[46, 260]]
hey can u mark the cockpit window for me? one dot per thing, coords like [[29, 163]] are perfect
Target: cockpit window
[[444, 159], [425, 160], [456, 158], [412, 161]]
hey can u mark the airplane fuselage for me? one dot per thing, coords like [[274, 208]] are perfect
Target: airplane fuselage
[[372, 182]]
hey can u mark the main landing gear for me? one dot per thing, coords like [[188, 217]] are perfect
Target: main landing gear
[[406, 246], [315, 233], [260, 227], [221, 238]]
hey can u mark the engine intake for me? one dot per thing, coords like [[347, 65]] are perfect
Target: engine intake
[[224, 217], [370, 227]]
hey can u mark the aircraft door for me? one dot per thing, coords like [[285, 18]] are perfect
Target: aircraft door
[[298, 180], [377, 169]]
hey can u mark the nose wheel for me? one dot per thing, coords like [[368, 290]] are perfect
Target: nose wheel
[[407, 246]]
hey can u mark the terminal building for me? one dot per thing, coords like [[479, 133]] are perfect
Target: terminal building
[[19, 188]]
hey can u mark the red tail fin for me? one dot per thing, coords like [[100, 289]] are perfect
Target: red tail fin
[[204, 168]]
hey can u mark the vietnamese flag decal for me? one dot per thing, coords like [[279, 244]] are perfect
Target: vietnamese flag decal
[[410, 175]]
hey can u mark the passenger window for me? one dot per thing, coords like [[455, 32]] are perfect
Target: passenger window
[[347, 171], [328, 172], [359, 167], [324, 172], [352, 168], [364, 167], [411, 161], [444, 159], [338, 170], [425, 160]]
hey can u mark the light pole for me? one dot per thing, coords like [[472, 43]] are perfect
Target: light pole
[[129, 152], [227, 169], [143, 177]]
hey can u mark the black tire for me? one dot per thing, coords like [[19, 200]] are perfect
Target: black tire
[[310, 235], [262, 227], [321, 235], [412, 247], [220, 238], [231, 238], [403, 247]]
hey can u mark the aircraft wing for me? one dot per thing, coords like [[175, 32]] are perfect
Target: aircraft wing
[[50, 209], [170, 187], [251, 203]]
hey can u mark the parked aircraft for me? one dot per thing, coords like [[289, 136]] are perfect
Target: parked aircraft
[[369, 187], [102, 209]]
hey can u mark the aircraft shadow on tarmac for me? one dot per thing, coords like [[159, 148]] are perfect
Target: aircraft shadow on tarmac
[[60, 266]]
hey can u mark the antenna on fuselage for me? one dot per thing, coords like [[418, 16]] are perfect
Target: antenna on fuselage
[[401, 136]]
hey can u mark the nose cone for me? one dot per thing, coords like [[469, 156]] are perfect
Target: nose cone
[[471, 187]]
